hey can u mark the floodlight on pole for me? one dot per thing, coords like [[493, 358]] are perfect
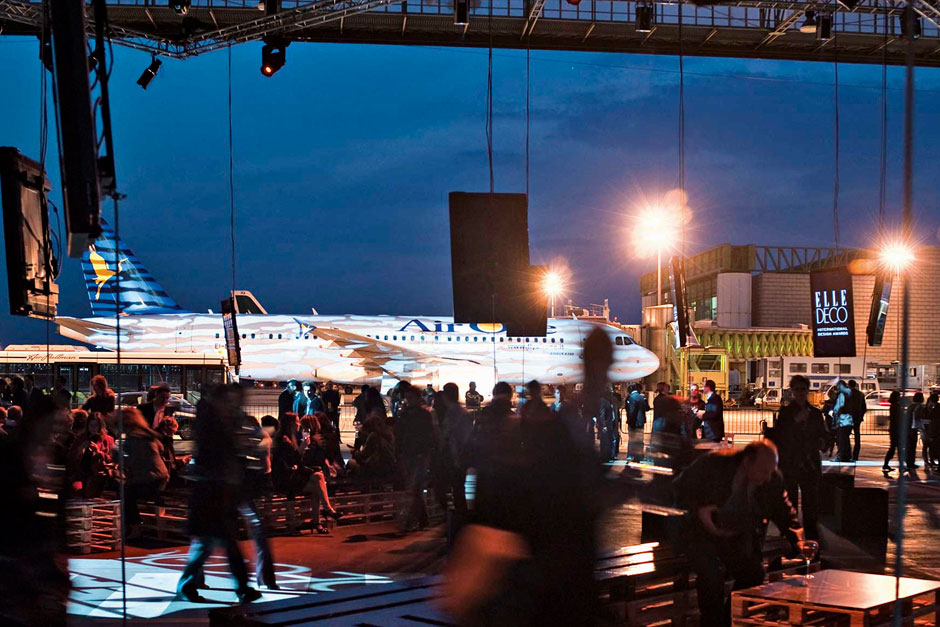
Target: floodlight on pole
[[553, 285], [896, 256], [655, 228]]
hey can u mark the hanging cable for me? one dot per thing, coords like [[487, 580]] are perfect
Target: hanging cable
[[883, 169], [681, 108], [489, 98], [231, 174], [528, 50], [835, 179]]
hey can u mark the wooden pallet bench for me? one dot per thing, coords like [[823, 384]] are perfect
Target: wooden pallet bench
[[92, 525], [834, 597]]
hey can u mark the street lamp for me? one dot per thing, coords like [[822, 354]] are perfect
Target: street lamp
[[553, 285], [655, 227]]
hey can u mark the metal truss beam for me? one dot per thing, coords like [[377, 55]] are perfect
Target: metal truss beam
[[767, 29]]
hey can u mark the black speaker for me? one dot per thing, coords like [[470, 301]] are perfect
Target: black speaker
[[680, 311], [79, 156], [862, 512], [31, 266], [492, 279], [878, 315]]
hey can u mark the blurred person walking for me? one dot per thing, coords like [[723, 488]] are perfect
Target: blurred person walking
[[219, 477], [157, 405], [729, 496], [145, 474], [331, 402], [843, 421]]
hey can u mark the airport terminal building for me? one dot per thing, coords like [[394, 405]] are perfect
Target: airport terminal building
[[755, 302]]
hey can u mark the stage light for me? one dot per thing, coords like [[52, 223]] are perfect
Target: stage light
[[573, 2], [261, 5], [149, 74], [273, 58], [824, 30], [896, 256], [849, 4], [903, 23], [809, 24], [644, 18], [461, 12], [181, 6]]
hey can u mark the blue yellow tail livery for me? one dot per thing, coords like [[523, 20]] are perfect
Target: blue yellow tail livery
[[104, 262]]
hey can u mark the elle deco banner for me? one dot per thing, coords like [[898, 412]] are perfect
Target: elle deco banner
[[833, 313]]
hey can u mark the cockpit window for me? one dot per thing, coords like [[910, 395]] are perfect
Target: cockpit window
[[619, 341]]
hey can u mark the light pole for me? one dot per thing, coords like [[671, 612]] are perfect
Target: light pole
[[895, 256], [652, 232]]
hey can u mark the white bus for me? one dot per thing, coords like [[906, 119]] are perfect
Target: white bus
[[770, 375]]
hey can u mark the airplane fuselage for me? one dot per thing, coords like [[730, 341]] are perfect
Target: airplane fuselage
[[431, 349]]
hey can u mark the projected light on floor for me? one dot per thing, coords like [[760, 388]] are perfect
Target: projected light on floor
[[152, 579]]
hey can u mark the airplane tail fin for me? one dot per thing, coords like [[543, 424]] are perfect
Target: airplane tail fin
[[107, 258]]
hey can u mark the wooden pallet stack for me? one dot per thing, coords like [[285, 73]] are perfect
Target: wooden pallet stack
[[92, 525], [166, 521]]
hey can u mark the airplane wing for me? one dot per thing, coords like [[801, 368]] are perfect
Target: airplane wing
[[378, 353]]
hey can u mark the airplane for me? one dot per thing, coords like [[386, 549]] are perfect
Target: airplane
[[347, 349]]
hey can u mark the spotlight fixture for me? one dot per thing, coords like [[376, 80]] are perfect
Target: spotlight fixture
[[149, 74], [849, 4], [461, 12], [824, 29], [809, 24], [261, 5], [181, 6], [644, 18], [903, 19], [273, 57], [573, 2]]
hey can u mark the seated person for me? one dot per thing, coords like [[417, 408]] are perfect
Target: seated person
[[376, 458], [91, 466], [174, 463]]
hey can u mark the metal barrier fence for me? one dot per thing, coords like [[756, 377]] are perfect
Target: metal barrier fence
[[743, 421]]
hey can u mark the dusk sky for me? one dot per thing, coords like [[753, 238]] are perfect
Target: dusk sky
[[344, 159]]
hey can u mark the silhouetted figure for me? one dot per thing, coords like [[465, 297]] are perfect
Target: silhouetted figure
[[842, 420], [416, 437], [331, 401], [857, 408], [894, 426], [102, 399], [637, 406], [800, 434], [145, 474], [473, 399]]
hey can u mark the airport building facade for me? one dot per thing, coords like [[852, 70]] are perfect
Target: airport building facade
[[755, 303]]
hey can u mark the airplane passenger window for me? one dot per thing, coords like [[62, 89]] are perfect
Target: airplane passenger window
[[619, 341], [467, 338], [492, 339], [449, 339], [458, 338], [562, 340], [476, 339], [243, 336], [216, 336], [252, 336], [278, 336], [386, 337], [502, 339], [394, 337], [437, 338], [270, 336], [527, 339], [412, 338], [422, 338], [553, 340]]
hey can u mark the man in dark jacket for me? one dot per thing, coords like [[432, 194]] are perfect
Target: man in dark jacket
[[713, 416], [285, 401], [416, 437], [308, 403], [800, 434], [331, 400], [729, 496]]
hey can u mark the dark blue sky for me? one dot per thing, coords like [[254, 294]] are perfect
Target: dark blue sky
[[344, 159]]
